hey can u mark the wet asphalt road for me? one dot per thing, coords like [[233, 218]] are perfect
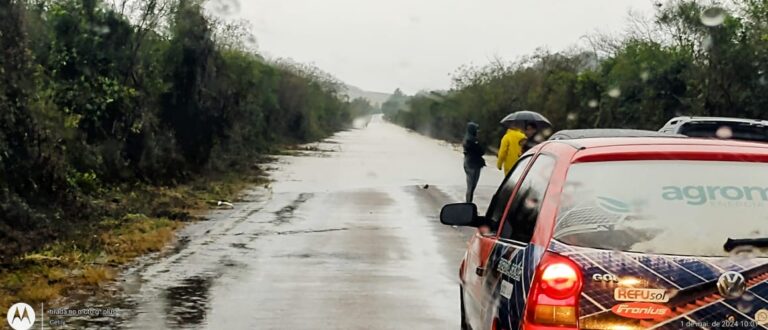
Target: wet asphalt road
[[346, 237]]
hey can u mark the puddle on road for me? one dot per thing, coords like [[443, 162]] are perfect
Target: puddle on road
[[186, 305], [285, 214], [367, 199], [309, 231], [323, 256], [323, 149], [240, 246], [228, 261], [181, 244]]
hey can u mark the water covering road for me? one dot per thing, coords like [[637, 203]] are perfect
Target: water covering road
[[346, 237]]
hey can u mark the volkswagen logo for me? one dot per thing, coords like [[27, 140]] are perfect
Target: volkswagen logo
[[731, 285]]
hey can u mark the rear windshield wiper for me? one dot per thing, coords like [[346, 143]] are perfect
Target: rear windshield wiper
[[732, 243]]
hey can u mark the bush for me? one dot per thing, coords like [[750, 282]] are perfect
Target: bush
[[92, 101]]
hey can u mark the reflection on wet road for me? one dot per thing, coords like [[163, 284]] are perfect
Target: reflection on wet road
[[347, 237]]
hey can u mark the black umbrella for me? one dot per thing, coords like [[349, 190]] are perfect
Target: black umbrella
[[525, 117]]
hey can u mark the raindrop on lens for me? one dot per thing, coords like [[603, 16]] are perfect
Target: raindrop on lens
[[531, 203], [713, 16], [742, 253], [571, 116], [592, 103], [103, 6], [644, 76], [547, 131], [225, 7], [724, 132], [614, 92], [434, 96], [538, 138], [707, 43], [744, 306], [251, 40], [100, 29]]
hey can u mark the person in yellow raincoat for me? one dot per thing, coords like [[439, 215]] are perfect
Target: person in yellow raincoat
[[511, 148]]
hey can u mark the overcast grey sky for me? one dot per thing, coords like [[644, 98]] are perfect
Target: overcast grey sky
[[379, 45]]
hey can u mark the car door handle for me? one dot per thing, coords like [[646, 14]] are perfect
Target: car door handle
[[480, 271]]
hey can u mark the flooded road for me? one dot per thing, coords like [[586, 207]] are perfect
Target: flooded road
[[346, 237]]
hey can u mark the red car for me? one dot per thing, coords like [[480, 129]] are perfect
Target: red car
[[634, 232]]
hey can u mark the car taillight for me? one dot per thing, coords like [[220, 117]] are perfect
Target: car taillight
[[559, 280], [554, 296]]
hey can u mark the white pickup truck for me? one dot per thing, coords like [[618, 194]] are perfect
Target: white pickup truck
[[719, 127]]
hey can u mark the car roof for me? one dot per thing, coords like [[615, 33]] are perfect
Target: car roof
[[664, 148], [687, 119], [607, 133], [650, 142]]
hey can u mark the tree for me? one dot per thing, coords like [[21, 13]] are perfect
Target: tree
[[394, 104], [98, 97]]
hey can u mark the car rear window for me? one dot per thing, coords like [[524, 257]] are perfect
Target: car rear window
[[664, 207], [727, 130]]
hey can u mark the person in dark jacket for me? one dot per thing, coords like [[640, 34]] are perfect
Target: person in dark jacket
[[530, 132], [473, 159]]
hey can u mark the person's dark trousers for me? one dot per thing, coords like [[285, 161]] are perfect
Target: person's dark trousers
[[473, 175]]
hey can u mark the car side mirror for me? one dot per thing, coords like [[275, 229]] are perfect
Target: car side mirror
[[459, 214]]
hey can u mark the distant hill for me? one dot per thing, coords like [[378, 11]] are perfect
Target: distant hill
[[376, 98]]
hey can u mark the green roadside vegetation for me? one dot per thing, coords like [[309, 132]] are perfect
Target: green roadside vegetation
[[689, 58], [136, 219], [117, 122]]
